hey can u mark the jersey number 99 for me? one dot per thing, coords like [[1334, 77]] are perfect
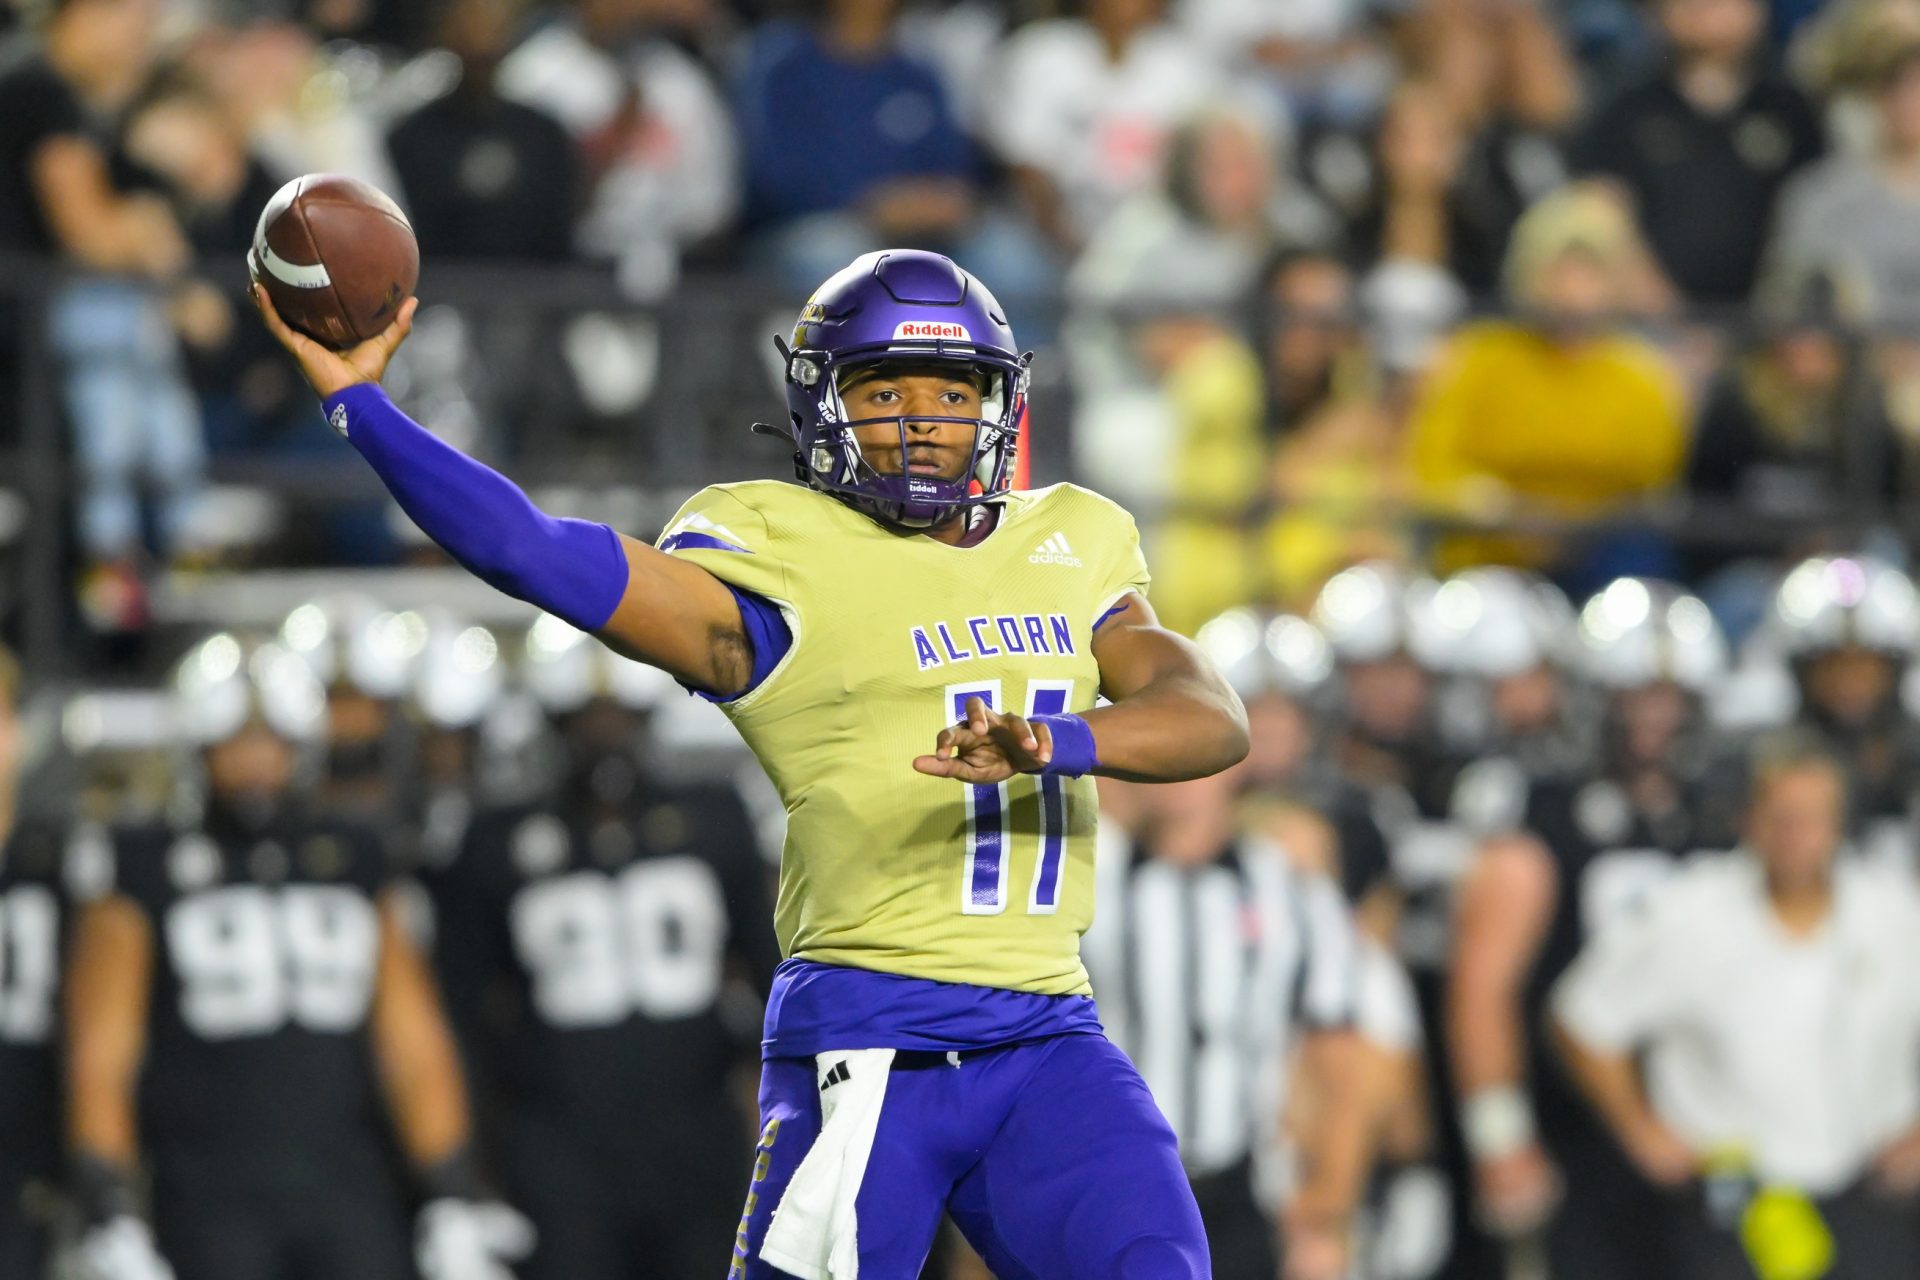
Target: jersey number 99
[[251, 959]]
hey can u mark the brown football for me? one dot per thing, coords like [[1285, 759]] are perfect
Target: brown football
[[336, 256]]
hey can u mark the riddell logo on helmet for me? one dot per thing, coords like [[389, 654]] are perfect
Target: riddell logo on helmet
[[931, 329]]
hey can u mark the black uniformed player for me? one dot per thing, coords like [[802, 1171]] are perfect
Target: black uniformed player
[[1849, 626], [247, 1018], [1588, 847], [1397, 638], [1281, 666], [587, 944], [33, 919], [1510, 634], [366, 657]]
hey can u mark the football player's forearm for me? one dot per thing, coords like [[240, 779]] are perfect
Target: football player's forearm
[[1339, 1146], [1483, 1033], [573, 569], [106, 1019], [1501, 919], [413, 1048], [1183, 725]]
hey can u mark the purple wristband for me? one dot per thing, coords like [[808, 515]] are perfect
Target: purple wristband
[[1073, 753]]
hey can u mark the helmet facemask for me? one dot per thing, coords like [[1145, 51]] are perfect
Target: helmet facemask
[[830, 457]]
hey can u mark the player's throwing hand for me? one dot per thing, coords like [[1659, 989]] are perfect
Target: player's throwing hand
[[988, 746], [329, 371]]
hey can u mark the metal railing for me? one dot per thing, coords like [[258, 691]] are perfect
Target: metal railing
[[531, 380]]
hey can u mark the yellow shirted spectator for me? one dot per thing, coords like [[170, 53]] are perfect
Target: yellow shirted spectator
[[1561, 411]]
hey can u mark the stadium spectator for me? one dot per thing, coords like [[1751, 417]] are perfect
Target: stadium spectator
[[1159, 286], [657, 145], [877, 157], [1703, 145], [1478, 444], [1272, 953], [1465, 144], [305, 108], [1852, 214], [1199, 237], [1799, 419], [1210, 389], [483, 176], [1324, 57], [1766, 994], [133, 416], [180, 134], [1341, 361], [1087, 105]]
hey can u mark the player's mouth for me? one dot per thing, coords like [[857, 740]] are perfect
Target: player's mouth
[[926, 463]]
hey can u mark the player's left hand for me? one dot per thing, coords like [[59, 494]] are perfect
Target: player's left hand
[[470, 1240], [988, 746]]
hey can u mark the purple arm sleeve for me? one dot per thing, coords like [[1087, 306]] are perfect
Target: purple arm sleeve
[[574, 569]]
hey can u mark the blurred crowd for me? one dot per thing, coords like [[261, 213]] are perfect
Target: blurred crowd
[[1520, 399], [1601, 931], [1449, 281]]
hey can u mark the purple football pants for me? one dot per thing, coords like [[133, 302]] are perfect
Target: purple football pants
[[1050, 1156]]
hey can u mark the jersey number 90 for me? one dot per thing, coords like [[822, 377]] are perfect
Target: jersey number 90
[[649, 940]]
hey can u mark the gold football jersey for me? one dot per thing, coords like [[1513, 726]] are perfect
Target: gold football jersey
[[884, 867]]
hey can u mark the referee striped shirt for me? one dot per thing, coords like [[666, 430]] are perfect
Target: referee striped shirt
[[1205, 972]]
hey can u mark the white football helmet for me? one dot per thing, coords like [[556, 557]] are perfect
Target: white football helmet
[[353, 640], [1637, 632], [1373, 611], [1262, 655], [565, 668], [226, 681]]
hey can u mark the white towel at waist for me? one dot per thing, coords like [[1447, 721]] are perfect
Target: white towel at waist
[[815, 1234]]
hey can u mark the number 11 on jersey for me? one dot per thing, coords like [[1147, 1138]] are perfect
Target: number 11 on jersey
[[983, 892]]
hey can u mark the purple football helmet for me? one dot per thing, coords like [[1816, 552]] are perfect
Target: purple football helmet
[[903, 305]]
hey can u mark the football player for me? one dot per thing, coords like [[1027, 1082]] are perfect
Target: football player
[[1588, 847], [589, 945], [1282, 668], [364, 656], [1511, 636], [913, 650], [35, 871], [247, 1021], [1848, 627]]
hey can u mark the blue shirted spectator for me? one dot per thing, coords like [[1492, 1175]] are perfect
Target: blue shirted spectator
[[851, 144]]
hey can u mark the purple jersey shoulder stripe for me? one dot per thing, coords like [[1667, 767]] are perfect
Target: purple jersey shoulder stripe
[[700, 542], [1102, 619]]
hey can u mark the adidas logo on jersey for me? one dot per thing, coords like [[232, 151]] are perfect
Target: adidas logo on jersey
[[1055, 551]]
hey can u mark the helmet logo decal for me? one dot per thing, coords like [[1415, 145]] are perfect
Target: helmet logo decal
[[931, 329]]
